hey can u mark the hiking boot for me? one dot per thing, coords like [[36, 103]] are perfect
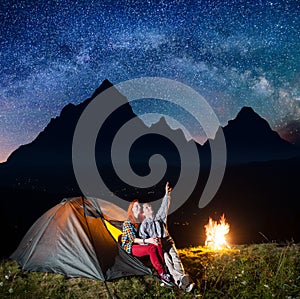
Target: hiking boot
[[166, 279]]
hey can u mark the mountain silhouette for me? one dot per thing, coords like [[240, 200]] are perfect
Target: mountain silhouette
[[249, 138], [55, 140], [48, 159], [46, 163]]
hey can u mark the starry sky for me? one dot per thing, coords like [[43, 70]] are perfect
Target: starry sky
[[234, 53]]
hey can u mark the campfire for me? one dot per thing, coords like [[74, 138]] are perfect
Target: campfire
[[216, 233]]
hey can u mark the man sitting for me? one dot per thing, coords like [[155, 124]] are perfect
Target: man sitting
[[156, 226]]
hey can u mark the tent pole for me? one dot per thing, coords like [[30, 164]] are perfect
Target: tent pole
[[108, 291]]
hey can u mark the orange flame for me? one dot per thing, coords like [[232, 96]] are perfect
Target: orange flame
[[216, 233]]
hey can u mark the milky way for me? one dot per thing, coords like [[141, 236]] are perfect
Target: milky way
[[234, 53]]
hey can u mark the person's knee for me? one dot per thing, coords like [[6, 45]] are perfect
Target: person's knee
[[153, 249]]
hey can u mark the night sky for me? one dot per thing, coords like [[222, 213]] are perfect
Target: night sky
[[234, 53]]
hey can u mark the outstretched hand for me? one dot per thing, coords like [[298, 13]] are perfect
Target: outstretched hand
[[168, 189]]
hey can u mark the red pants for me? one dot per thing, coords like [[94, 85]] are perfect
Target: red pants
[[154, 251]]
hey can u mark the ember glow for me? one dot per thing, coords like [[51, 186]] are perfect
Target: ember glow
[[216, 233]]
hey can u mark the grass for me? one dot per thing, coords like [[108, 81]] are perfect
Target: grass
[[250, 271]]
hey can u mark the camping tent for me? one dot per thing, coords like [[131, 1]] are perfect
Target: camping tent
[[78, 238]]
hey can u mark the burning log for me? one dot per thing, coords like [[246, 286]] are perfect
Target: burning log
[[216, 234]]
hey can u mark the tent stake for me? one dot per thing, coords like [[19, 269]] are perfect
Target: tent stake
[[108, 291]]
